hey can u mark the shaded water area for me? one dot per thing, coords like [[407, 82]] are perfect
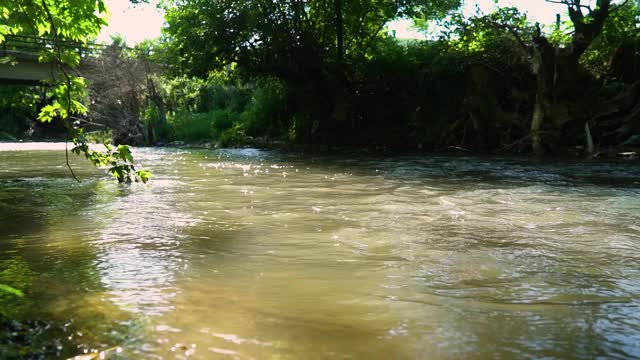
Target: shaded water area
[[248, 254]]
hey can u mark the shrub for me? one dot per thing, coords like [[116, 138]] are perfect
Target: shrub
[[191, 127], [266, 112], [235, 136], [99, 136]]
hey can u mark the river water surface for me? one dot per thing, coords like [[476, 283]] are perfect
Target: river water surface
[[249, 254]]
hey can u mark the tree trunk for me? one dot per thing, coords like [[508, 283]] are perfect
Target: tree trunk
[[536, 127], [557, 70], [542, 64], [587, 132], [156, 99], [587, 27], [339, 31]]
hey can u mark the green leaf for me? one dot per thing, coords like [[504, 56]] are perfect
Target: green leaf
[[70, 58], [78, 108], [11, 290], [143, 175], [42, 29], [78, 83], [124, 153], [16, 29], [4, 29], [47, 113], [8, 60], [47, 56]]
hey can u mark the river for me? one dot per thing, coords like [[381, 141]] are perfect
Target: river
[[250, 254]]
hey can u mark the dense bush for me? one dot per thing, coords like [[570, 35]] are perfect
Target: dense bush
[[218, 109]]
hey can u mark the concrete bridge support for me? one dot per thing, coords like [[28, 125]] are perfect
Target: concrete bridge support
[[26, 70]]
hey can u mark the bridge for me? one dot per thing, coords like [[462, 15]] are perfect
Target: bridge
[[19, 55]]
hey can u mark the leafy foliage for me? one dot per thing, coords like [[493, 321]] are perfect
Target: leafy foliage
[[209, 110], [78, 21], [288, 39], [120, 161], [620, 28]]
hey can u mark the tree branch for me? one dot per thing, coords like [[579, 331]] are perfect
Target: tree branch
[[511, 31], [617, 7], [68, 81]]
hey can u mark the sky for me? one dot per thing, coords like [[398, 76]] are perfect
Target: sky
[[537, 10], [143, 21], [134, 22]]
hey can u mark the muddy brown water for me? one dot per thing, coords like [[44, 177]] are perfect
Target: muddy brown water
[[250, 254]]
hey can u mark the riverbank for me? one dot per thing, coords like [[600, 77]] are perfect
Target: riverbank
[[578, 152], [611, 152]]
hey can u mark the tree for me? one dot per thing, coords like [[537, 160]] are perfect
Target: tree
[[268, 36], [558, 70], [556, 58], [117, 87], [314, 46]]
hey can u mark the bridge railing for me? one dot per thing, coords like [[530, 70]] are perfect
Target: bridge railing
[[25, 66], [27, 43]]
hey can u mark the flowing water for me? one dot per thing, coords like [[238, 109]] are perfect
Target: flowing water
[[249, 254]]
